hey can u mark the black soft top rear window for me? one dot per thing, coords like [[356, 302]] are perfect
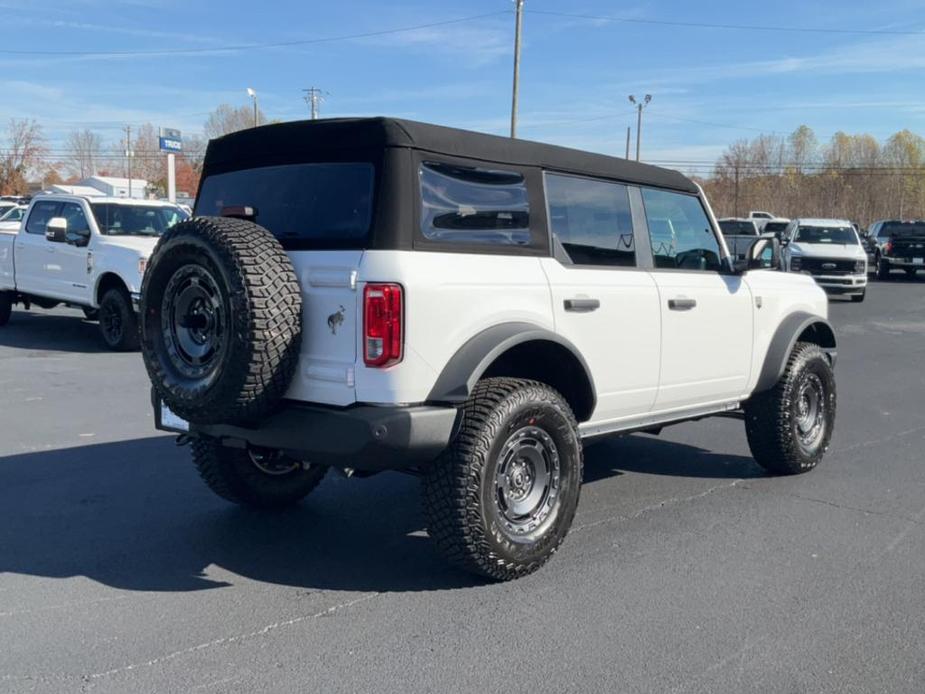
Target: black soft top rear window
[[305, 206]]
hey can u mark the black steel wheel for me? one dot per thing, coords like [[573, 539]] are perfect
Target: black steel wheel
[[263, 479], [118, 323], [221, 314], [790, 427], [501, 500]]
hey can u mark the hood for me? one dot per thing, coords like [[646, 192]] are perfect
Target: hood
[[143, 245], [840, 251]]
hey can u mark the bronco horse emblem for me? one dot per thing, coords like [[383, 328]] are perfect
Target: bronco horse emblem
[[336, 319]]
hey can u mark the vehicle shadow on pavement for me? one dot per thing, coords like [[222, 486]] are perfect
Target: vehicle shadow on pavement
[[52, 333], [134, 515], [655, 456]]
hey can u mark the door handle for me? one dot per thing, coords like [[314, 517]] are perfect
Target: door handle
[[582, 305], [681, 304]]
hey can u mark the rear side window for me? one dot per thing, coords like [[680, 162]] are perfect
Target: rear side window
[[680, 232], [305, 206], [731, 227], [591, 220], [471, 205], [39, 216]]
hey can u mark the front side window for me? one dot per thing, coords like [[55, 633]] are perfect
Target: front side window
[[824, 234], [461, 204], [591, 220], [116, 219], [76, 219], [40, 215], [680, 232]]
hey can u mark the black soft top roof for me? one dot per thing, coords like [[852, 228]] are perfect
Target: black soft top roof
[[303, 140]]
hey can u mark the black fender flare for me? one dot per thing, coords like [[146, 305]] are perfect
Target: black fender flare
[[470, 362], [785, 339]]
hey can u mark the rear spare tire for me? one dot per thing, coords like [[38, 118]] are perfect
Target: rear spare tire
[[221, 320]]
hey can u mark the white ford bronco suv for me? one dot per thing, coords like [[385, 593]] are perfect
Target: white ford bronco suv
[[86, 252], [378, 294]]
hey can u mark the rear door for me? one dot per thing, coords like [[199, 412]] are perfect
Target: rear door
[[602, 302], [706, 314], [35, 257]]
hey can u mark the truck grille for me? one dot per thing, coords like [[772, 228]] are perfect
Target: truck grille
[[823, 266]]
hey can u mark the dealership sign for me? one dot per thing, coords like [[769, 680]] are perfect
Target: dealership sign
[[170, 140]]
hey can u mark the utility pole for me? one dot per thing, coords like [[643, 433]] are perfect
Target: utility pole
[[252, 93], [641, 104], [629, 129], [736, 205], [129, 154], [313, 97], [517, 32]]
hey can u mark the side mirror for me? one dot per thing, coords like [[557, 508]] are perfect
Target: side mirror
[[764, 254], [56, 230]]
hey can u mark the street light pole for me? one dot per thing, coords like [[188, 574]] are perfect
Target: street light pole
[[517, 33], [639, 106], [253, 95]]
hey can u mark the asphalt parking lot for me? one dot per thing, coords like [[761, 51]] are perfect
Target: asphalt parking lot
[[687, 569]]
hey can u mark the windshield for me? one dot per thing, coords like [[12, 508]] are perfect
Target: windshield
[[735, 228], [814, 234], [115, 219], [13, 215], [896, 229], [305, 206]]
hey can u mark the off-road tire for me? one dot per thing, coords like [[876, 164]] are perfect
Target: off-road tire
[[460, 492], [118, 322], [859, 298], [772, 417], [255, 324], [232, 474], [6, 307], [883, 270]]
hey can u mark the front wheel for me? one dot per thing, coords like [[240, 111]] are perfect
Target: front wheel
[[883, 269], [501, 499], [118, 323], [259, 479], [790, 426], [6, 307]]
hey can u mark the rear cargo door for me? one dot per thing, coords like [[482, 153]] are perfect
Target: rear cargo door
[[330, 316]]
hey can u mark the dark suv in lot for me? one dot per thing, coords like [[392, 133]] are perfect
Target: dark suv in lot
[[900, 245]]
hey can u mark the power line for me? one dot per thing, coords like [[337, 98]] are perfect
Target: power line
[[251, 46], [734, 27]]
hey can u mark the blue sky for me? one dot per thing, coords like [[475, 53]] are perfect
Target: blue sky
[[710, 86]]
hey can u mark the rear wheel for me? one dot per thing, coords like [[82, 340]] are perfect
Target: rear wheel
[[790, 426], [883, 269], [501, 500], [6, 307], [118, 323], [260, 479]]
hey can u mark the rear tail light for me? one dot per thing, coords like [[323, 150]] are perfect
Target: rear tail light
[[382, 324]]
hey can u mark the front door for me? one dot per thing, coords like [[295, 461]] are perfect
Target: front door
[[602, 302], [33, 254], [706, 312], [70, 276]]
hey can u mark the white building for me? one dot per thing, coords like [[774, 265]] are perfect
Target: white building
[[115, 187], [66, 189]]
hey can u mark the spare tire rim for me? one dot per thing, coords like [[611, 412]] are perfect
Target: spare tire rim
[[193, 321], [527, 481], [810, 410]]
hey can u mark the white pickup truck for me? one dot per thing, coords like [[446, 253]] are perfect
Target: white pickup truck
[[85, 252]]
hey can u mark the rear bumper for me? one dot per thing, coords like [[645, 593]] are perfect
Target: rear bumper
[[903, 262], [363, 437]]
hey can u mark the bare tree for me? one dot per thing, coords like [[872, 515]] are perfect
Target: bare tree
[[228, 119], [25, 148], [85, 149]]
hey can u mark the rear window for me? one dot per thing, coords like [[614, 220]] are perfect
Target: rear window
[[734, 228], [774, 227], [897, 229], [461, 204], [305, 206]]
